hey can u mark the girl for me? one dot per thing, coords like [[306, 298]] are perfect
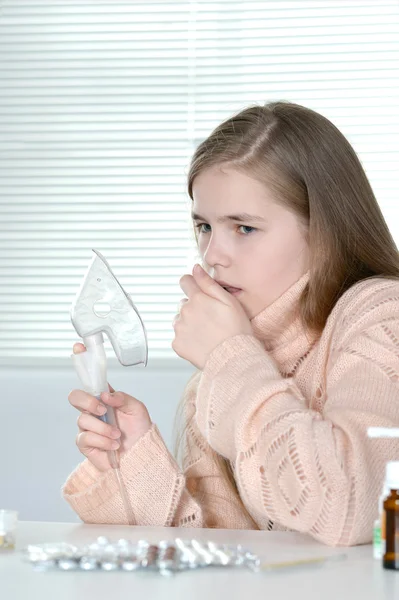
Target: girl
[[293, 325]]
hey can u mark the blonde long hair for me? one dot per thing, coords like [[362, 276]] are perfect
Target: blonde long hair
[[311, 169]]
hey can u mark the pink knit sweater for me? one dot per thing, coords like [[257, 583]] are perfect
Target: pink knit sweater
[[290, 413]]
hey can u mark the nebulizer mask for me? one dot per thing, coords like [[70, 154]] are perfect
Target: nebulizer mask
[[101, 306]]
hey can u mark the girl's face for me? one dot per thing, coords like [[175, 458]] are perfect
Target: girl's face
[[247, 242]]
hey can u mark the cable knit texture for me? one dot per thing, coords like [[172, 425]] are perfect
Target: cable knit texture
[[290, 413]]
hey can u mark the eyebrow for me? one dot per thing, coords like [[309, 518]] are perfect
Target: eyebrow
[[240, 217]]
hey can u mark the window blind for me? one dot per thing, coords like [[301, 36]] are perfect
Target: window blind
[[101, 105]]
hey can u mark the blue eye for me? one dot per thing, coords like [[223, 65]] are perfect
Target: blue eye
[[206, 228], [201, 226], [248, 229]]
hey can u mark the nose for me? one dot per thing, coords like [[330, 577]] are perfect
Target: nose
[[216, 252]]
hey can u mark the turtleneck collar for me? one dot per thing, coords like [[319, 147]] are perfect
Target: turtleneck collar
[[280, 329]]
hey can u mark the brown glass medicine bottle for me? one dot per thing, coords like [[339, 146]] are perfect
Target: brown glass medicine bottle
[[390, 558]]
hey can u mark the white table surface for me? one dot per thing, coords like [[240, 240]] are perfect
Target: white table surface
[[357, 576]]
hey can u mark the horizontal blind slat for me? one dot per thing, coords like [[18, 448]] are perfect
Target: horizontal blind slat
[[101, 105]]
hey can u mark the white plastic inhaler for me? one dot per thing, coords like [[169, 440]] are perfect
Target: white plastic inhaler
[[102, 306]]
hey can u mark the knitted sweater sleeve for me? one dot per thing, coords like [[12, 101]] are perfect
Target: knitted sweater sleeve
[[307, 468], [160, 492]]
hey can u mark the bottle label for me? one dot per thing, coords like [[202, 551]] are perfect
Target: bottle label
[[377, 542]]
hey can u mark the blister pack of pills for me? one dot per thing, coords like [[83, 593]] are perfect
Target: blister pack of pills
[[164, 557]]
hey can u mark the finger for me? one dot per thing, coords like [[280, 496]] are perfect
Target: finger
[[85, 402], [123, 402], [78, 348], [189, 286], [180, 306], [208, 285], [88, 422], [87, 440], [98, 458], [176, 319]]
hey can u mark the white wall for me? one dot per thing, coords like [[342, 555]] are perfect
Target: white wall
[[38, 430]]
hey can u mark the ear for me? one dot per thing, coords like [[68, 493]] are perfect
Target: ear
[[209, 285]]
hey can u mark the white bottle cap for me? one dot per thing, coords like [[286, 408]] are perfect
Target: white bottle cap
[[392, 475]]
